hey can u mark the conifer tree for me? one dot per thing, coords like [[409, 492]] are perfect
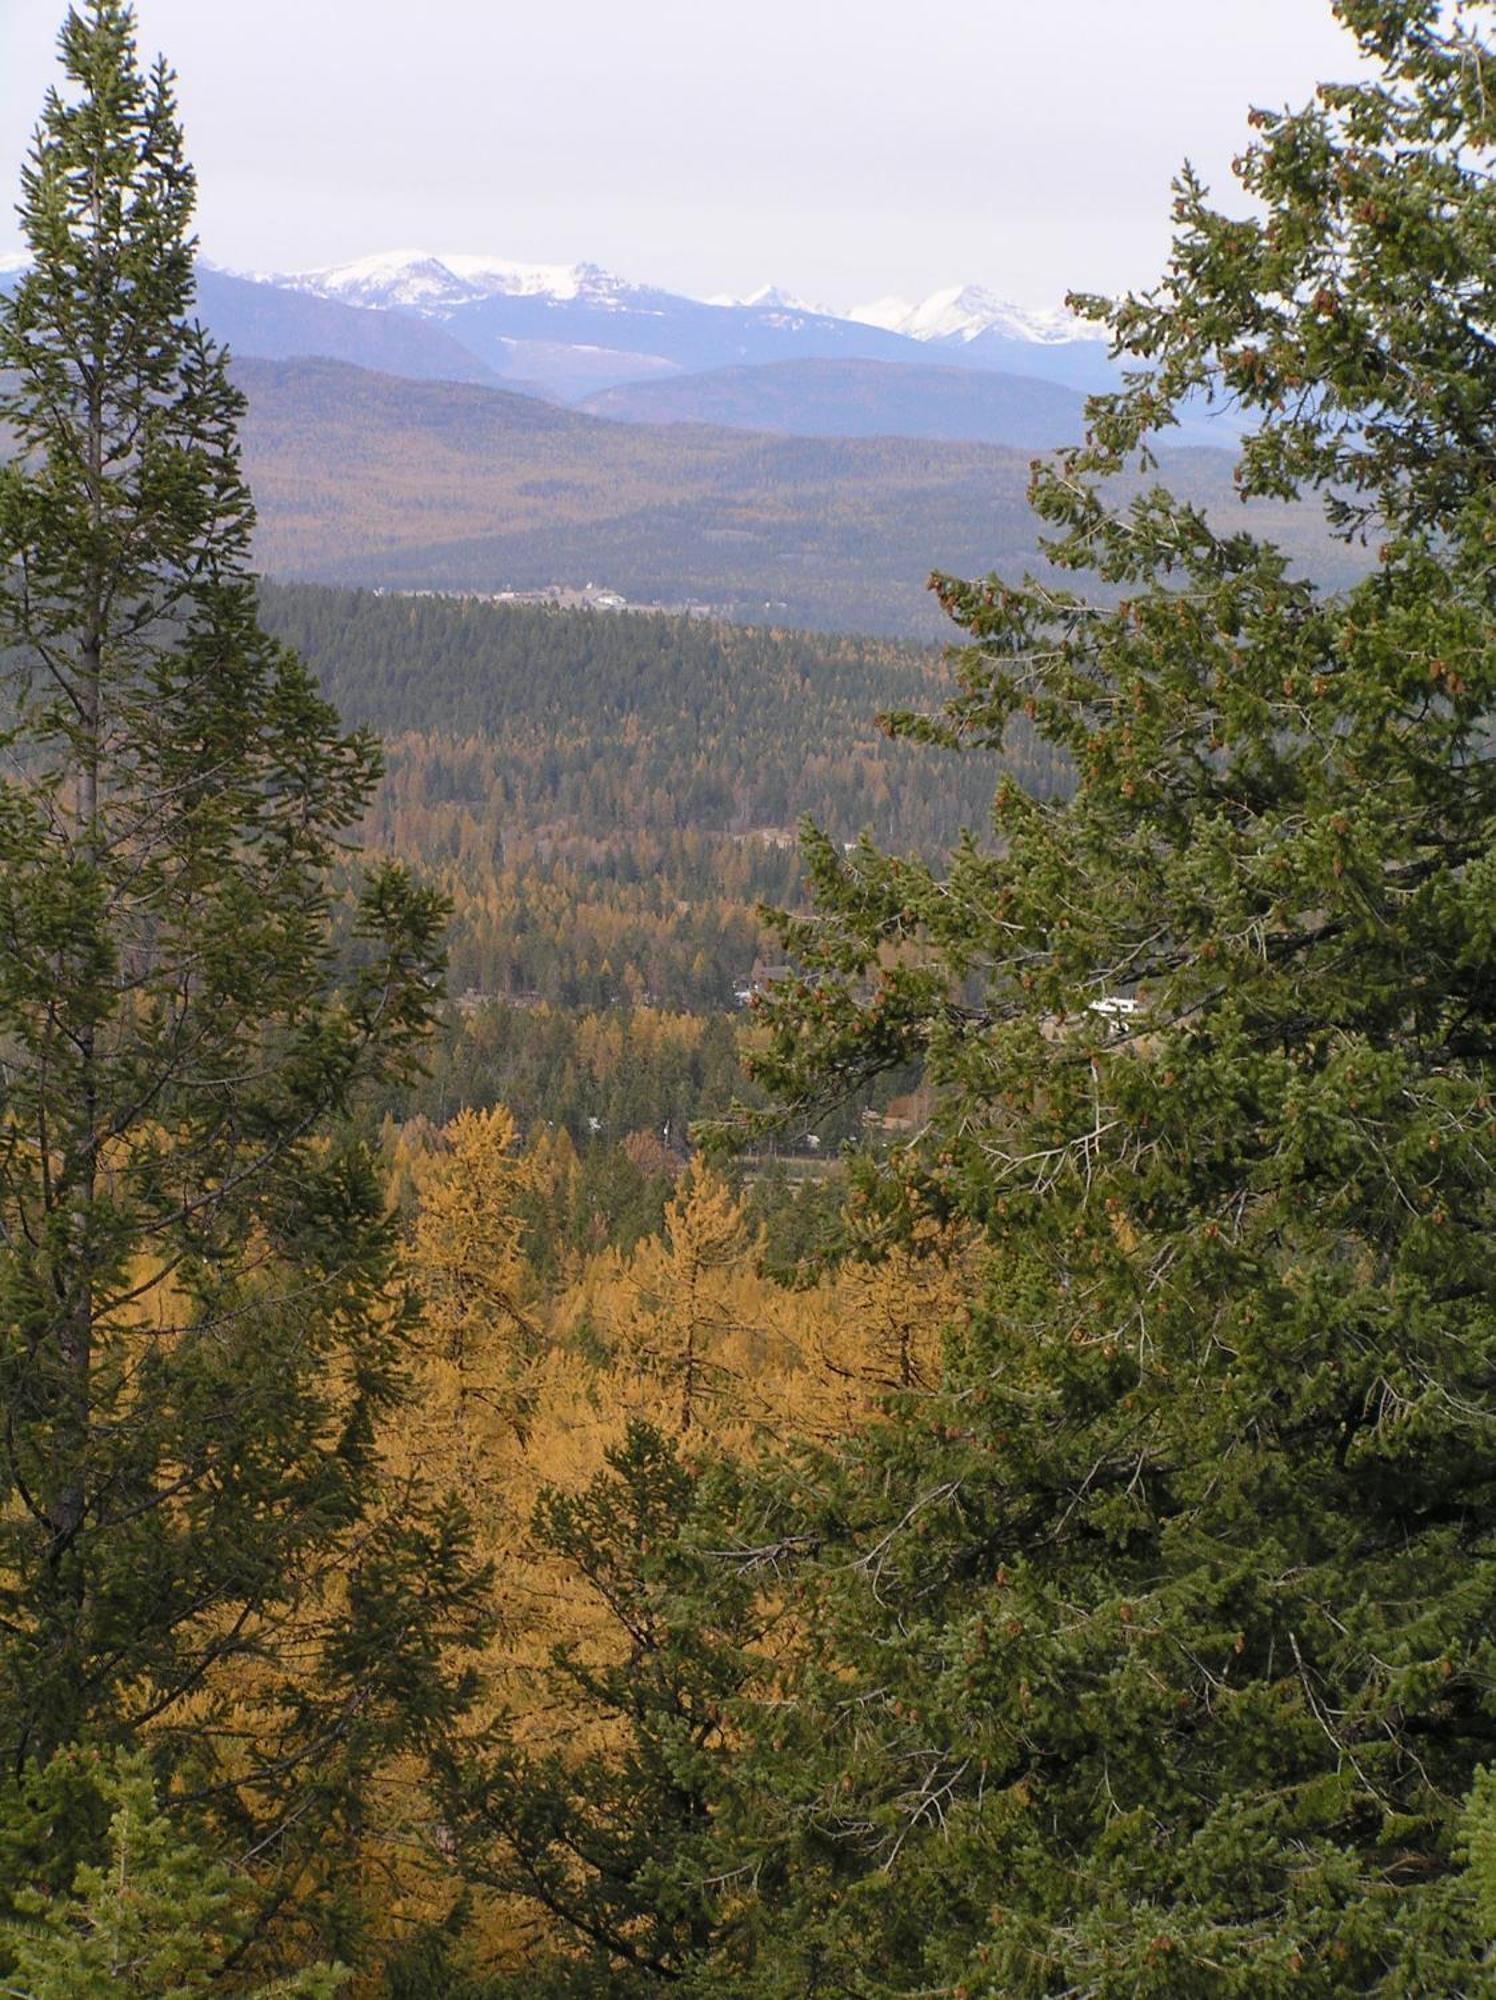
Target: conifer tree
[[608, 1832], [465, 1243], [1154, 1654], [151, 1915], [684, 1283], [198, 1332]]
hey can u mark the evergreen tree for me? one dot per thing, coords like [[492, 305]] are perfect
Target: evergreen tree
[[198, 1333], [150, 1916], [1154, 1654], [610, 1834]]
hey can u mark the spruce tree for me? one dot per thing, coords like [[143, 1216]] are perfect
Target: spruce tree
[[150, 1915], [198, 1329], [611, 1834], [1156, 1654]]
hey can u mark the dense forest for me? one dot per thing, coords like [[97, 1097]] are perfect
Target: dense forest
[[610, 723], [570, 1437], [608, 799], [366, 479], [610, 802]]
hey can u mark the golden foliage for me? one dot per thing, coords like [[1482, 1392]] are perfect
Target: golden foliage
[[519, 1390]]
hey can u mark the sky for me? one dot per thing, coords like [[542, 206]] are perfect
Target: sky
[[844, 149]]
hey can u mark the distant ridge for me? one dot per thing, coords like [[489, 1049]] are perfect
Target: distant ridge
[[365, 478], [437, 283], [579, 328], [859, 399], [579, 334], [264, 320]]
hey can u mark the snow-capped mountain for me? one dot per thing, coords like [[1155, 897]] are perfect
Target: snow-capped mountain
[[967, 326], [579, 327], [770, 298], [438, 285], [576, 331], [576, 328], [966, 312], [417, 281], [571, 331], [424, 282], [277, 323]]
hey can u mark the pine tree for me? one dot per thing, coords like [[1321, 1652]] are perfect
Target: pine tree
[[1153, 1654], [198, 1330], [608, 1831], [152, 1915]]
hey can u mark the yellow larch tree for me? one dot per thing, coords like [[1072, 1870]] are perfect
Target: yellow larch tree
[[876, 1329], [483, 1364], [465, 1246], [692, 1314]]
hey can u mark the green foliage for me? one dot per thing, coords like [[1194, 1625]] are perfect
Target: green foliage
[[151, 1915], [607, 798], [632, 1070], [626, 722], [433, 1967], [1479, 1852], [1154, 1655], [800, 1218], [614, 1837], [198, 1331]]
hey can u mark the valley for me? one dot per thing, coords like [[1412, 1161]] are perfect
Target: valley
[[404, 484], [727, 1270]]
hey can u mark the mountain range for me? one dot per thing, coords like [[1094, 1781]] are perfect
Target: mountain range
[[576, 332], [468, 424], [577, 328]]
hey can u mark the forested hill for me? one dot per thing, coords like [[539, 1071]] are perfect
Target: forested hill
[[861, 398], [361, 478], [606, 798], [591, 724]]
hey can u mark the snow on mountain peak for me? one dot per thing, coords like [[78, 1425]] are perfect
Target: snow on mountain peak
[[770, 298], [388, 278], [891, 313], [494, 276], [963, 312], [425, 283], [434, 286]]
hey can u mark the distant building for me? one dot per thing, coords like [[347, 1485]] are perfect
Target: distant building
[[759, 980]]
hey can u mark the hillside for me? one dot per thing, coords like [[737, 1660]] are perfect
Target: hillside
[[859, 399], [607, 799], [363, 478], [608, 725]]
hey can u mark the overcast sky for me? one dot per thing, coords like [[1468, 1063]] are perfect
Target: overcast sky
[[842, 148]]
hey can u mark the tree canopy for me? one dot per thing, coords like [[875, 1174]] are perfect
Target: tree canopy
[[198, 1332], [1155, 1654]]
